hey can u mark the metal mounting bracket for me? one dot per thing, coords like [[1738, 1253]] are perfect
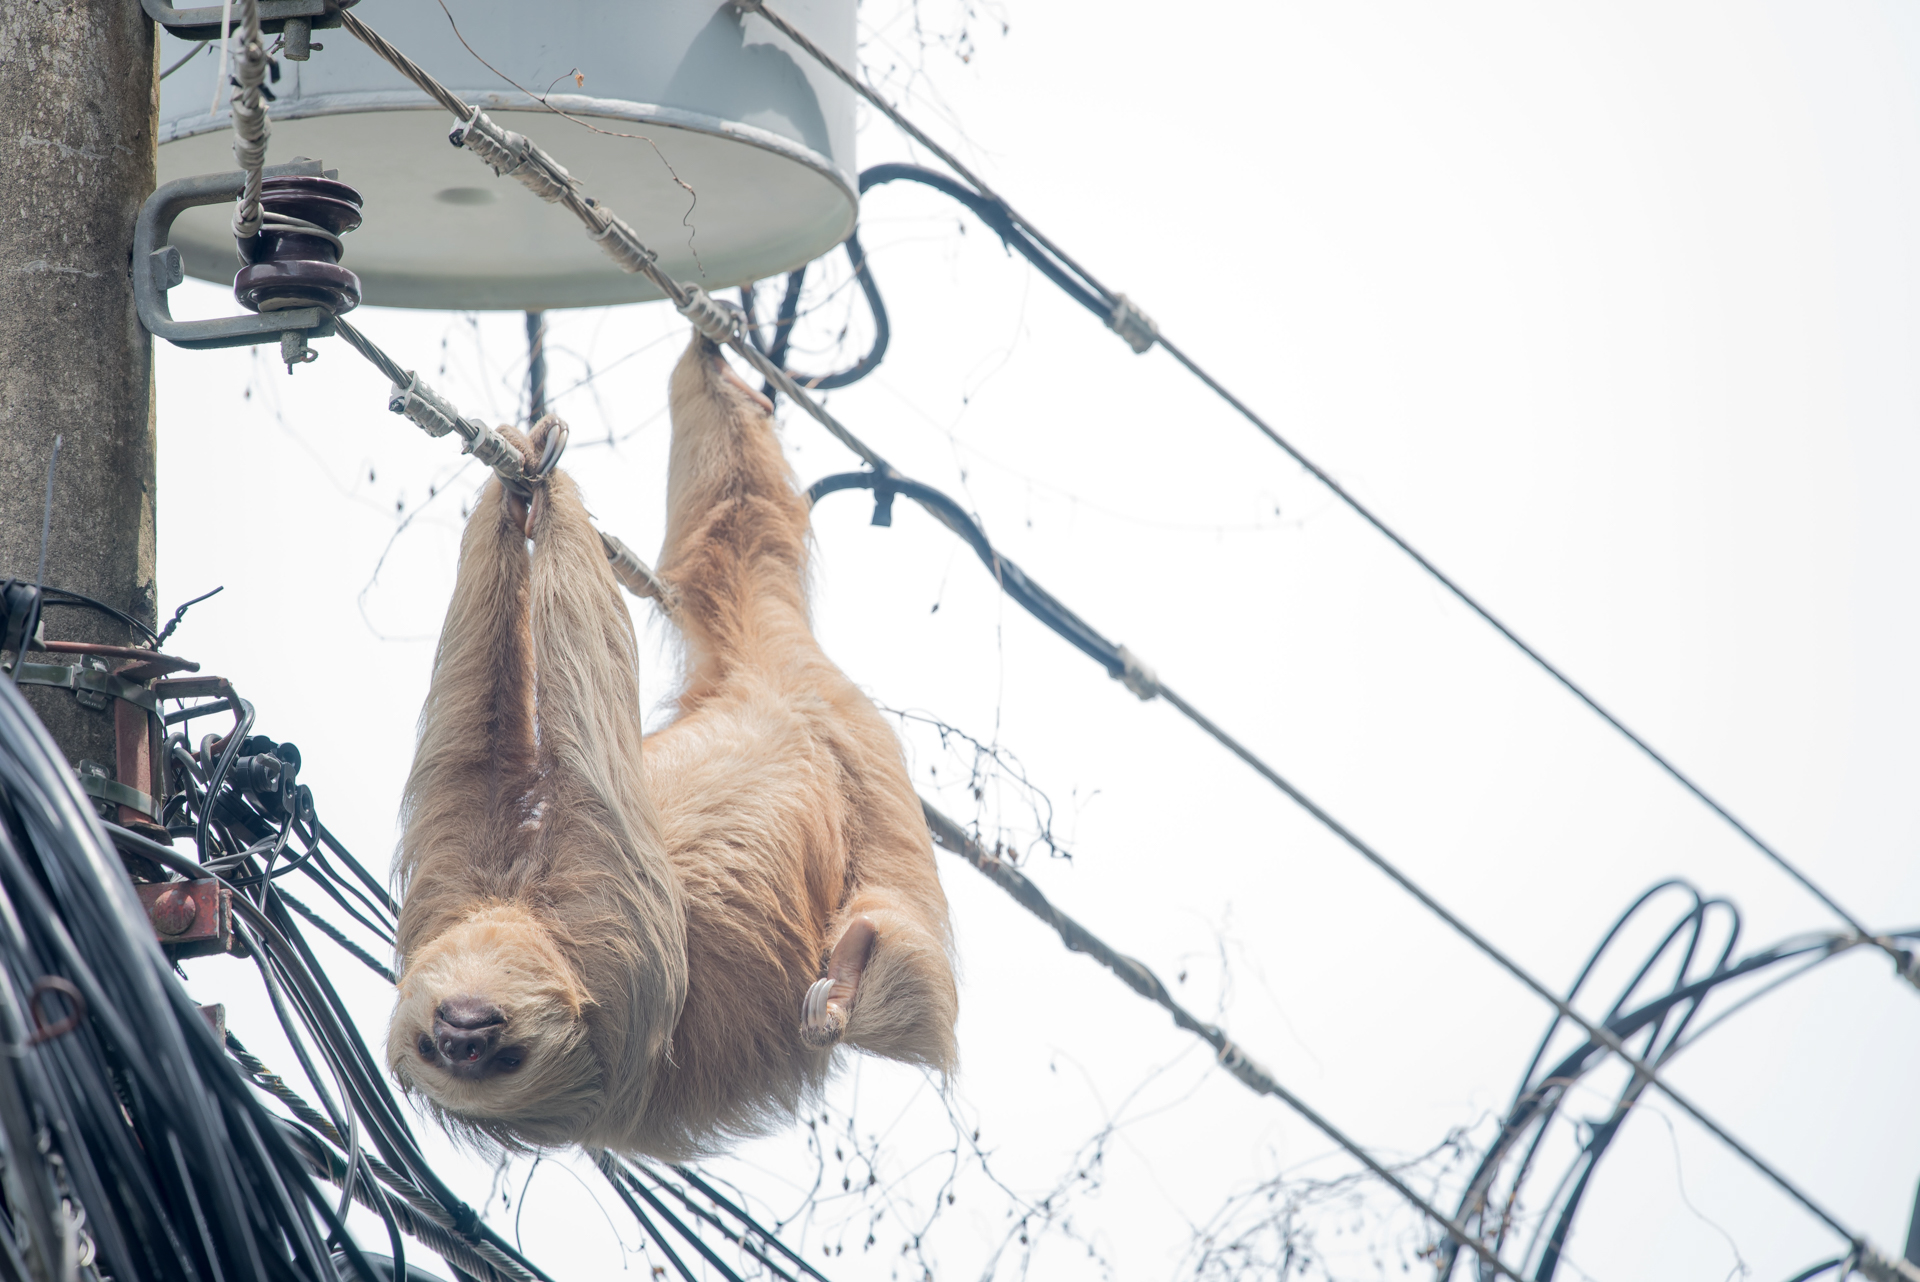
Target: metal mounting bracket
[[157, 266], [204, 23]]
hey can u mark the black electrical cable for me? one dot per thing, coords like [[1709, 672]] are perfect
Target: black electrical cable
[[67, 597], [1808, 1274], [158, 1139], [1012, 579], [1089, 294], [766, 1234], [1663, 1020], [1144, 683], [788, 316]]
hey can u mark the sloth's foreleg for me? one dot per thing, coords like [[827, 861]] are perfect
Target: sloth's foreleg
[[598, 857], [474, 761]]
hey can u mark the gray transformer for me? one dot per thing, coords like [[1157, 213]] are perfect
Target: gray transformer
[[725, 146]]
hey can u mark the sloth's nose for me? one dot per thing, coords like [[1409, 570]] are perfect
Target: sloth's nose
[[466, 1030], [469, 1012]]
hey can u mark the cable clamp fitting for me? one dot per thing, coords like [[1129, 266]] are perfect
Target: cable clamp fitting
[[1132, 324], [721, 322], [636, 576], [1879, 1268], [622, 242], [513, 155], [1135, 675], [433, 414]]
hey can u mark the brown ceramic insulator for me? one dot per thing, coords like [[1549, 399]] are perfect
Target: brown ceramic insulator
[[290, 269]]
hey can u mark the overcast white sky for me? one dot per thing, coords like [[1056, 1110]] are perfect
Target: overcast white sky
[[1609, 308]]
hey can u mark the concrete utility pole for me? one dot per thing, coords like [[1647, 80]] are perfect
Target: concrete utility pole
[[79, 102]]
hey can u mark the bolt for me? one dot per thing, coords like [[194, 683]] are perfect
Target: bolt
[[174, 911]]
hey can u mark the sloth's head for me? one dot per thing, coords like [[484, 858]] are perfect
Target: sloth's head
[[490, 1028]]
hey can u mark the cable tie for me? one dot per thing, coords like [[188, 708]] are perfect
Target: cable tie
[[1136, 676], [1132, 324]]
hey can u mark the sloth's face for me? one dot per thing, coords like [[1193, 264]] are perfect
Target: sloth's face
[[489, 1022]]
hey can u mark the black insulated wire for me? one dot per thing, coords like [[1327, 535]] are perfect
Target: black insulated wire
[[951, 515], [789, 315], [1085, 290]]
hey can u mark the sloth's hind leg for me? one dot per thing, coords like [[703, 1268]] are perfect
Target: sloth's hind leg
[[889, 985]]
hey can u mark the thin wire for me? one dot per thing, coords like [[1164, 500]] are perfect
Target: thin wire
[[1908, 967], [1137, 976], [1144, 683], [185, 60], [1904, 960], [1604, 1035]]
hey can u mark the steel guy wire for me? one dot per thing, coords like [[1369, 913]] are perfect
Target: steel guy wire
[[1145, 683], [1137, 976], [510, 154], [1123, 317]]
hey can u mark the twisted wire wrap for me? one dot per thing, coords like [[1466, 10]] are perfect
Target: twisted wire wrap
[[249, 113], [514, 155], [720, 322]]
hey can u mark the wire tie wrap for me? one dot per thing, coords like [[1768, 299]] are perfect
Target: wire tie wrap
[[1132, 324], [514, 155], [433, 414], [621, 242], [1136, 676], [720, 322]]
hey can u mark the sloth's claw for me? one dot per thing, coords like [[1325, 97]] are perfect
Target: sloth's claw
[[829, 1002], [817, 1026]]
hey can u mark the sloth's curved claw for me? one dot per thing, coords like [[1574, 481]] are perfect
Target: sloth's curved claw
[[815, 1028], [829, 1002]]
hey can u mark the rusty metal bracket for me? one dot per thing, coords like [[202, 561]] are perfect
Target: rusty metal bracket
[[190, 918]]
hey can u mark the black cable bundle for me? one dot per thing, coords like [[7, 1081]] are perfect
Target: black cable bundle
[[1661, 1014], [132, 1147]]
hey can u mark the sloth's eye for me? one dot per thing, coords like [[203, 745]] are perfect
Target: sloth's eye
[[425, 1047], [507, 1061]]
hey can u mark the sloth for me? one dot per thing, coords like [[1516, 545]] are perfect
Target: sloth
[[654, 945]]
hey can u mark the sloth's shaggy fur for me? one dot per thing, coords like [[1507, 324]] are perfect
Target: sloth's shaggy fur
[[645, 920]]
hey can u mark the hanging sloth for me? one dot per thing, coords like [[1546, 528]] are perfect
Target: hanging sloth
[[654, 946]]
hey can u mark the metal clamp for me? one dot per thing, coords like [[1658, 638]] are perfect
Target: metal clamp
[[203, 23], [157, 266], [95, 783], [107, 684]]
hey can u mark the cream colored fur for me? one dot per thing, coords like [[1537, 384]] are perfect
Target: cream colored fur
[[648, 917]]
